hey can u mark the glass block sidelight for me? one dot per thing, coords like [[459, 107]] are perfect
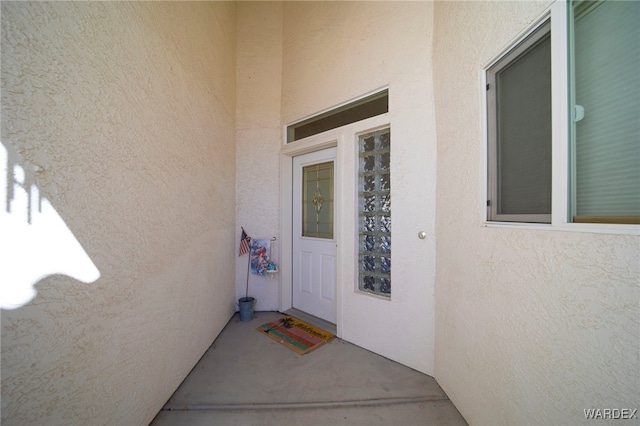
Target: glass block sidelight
[[374, 210]]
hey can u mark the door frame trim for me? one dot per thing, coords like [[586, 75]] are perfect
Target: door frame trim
[[289, 151], [338, 138]]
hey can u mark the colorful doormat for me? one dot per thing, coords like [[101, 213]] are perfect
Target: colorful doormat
[[295, 334]]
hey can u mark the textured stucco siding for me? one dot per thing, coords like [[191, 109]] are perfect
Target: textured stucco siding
[[258, 138], [533, 326], [123, 116]]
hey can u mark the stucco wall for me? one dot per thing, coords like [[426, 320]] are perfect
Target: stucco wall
[[258, 138], [127, 111], [532, 326]]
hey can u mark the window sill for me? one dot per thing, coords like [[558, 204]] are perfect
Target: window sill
[[594, 228], [616, 220]]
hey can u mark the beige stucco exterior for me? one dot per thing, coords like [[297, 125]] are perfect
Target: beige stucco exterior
[[155, 130], [533, 326], [258, 141], [129, 116]]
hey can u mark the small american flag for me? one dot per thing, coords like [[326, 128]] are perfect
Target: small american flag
[[244, 243]]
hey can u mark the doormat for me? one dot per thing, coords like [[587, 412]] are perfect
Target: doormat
[[295, 334]]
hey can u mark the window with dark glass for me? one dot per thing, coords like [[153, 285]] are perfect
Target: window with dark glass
[[605, 145], [519, 100]]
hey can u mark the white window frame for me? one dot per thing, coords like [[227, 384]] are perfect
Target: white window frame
[[558, 13]]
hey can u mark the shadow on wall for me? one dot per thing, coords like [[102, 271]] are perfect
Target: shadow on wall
[[35, 241]]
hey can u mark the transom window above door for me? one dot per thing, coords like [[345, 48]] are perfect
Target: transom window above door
[[352, 112]]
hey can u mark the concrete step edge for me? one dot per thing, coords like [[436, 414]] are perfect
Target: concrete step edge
[[302, 405]]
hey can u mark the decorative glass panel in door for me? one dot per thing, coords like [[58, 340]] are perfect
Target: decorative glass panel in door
[[317, 200]]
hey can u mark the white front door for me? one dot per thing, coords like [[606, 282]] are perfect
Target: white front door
[[314, 237]]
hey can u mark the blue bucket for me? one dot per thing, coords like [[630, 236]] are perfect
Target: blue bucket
[[246, 308]]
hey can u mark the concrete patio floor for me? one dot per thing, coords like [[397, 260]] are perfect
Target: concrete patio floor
[[246, 378]]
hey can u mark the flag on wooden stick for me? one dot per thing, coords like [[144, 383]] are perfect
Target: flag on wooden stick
[[244, 243]]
